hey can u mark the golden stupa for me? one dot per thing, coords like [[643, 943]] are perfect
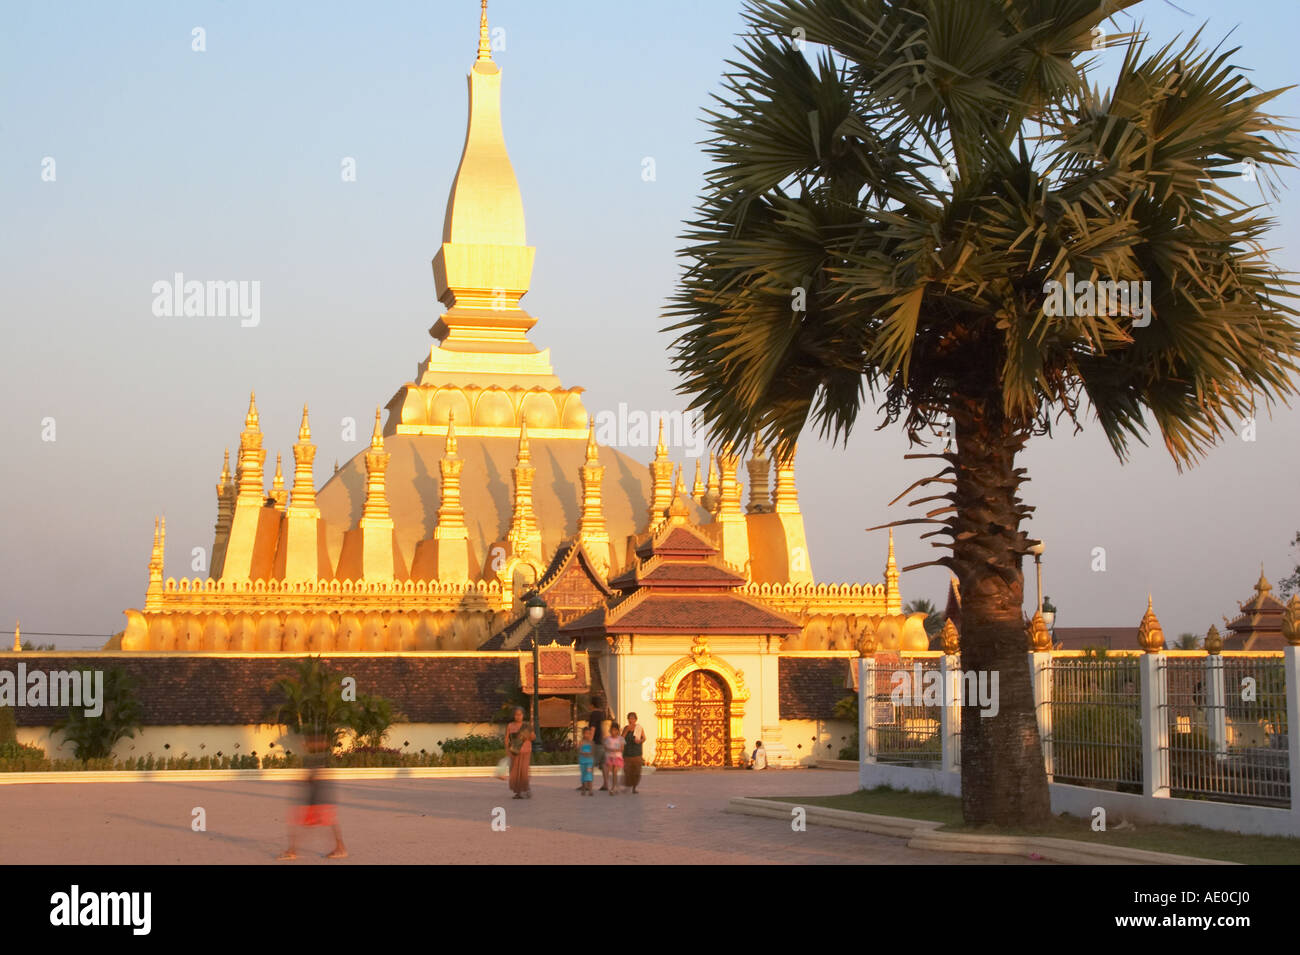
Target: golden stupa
[[486, 465]]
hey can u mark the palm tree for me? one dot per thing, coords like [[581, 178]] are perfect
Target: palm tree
[[311, 703], [883, 220]]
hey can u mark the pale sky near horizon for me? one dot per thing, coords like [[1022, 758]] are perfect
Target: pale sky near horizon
[[225, 164]]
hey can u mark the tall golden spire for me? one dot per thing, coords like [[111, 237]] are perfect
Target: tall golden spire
[[376, 523], [277, 483], [661, 480], [523, 538], [760, 470], [484, 36], [451, 514], [893, 600], [591, 524], [226, 492], [785, 499], [376, 504], [304, 453], [302, 552], [153, 593], [251, 456]]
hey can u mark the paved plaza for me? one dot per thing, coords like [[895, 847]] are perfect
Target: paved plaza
[[677, 818]]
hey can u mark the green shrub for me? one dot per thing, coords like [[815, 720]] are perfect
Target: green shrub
[[474, 743]]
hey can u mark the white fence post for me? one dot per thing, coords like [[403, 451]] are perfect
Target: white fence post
[[1155, 725], [1291, 663], [866, 710], [1216, 699], [1040, 672], [950, 711]]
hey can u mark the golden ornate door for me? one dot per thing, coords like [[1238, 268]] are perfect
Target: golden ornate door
[[701, 735]]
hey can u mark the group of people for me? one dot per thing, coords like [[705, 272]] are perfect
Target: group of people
[[606, 746]]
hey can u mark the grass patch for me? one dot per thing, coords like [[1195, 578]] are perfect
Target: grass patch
[[1156, 837]]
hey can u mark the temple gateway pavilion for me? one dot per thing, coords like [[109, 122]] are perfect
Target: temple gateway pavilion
[[485, 483]]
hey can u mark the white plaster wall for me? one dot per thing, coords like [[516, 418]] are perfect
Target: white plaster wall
[[809, 740]]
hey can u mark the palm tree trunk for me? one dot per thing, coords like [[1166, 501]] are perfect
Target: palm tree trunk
[[1003, 782]]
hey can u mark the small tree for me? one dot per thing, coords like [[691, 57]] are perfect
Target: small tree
[[372, 717], [312, 703], [93, 737]]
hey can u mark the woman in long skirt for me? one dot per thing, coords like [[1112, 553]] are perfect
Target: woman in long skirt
[[519, 744]]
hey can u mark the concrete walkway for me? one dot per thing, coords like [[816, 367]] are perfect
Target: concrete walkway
[[677, 818]]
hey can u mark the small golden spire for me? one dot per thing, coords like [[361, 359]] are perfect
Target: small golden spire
[[867, 638], [251, 419], [225, 468], [949, 637], [1213, 642], [677, 509], [377, 438], [277, 483], [524, 455], [1291, 621], [1040, 638], [304, 429], [593, 451], [450, 449], [484, 35], [661, 449], [697, 487], [18, 640], [1151, 637], [1262, 586]]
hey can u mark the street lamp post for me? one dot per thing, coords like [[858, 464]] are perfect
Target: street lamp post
[[1037, 551], [536, 611]]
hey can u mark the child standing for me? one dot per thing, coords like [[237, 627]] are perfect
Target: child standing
[[586, 760], [613, 756]]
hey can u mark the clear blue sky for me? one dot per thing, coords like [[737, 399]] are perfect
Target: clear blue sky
[[226, 164]]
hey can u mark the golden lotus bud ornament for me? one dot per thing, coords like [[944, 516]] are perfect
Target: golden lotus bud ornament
[[1040, 638]]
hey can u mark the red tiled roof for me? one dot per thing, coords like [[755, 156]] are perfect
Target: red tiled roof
[[681, 613], [693, 575]]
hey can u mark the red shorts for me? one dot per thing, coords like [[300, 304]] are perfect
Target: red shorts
[[322, 815]]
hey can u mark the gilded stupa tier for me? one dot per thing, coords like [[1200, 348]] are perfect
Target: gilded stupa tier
[[485, 471]]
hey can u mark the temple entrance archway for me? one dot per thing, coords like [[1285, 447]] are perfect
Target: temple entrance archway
[[699, 707], [701, 736]]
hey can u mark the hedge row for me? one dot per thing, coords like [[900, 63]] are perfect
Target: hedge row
[[36, 762]]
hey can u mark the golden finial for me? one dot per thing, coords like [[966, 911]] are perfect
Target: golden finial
[[593, 455], [18, 640], [661, 449], [524, 453], [484, 35], [949, 637], [867, 638], [1151, 637], [277, 482], [1262, 586], [697, 487], [451, 448], [251, 419], [677, 507], [1291, 621], [225, 468], [377, 438], [304, 429], [1040, 638], [1213, 642]]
